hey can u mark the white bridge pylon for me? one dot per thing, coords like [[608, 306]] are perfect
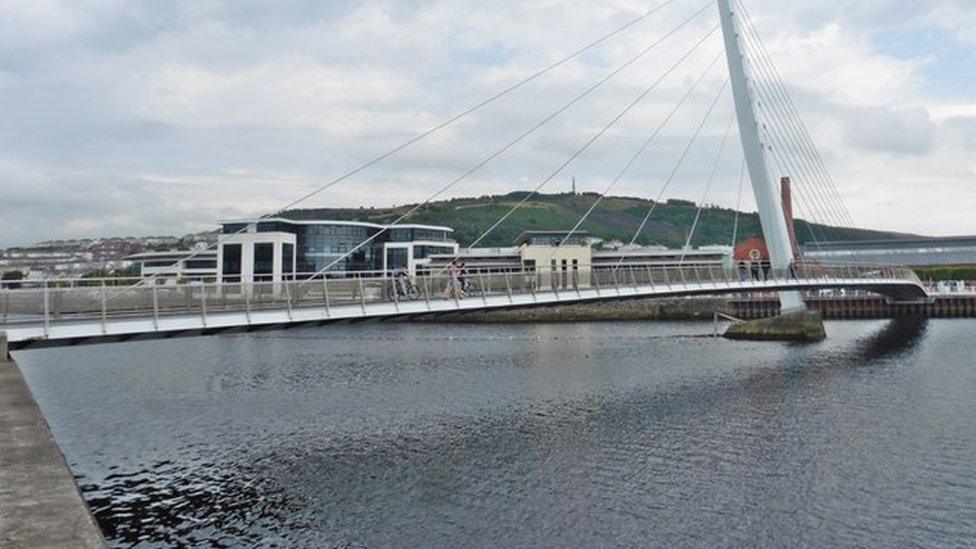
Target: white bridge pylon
[[774, 228]]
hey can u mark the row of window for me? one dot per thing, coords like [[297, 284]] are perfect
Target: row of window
[[188, 264], [392, 235], [263, 261]]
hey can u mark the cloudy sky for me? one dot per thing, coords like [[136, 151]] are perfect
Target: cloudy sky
[[161, 117]]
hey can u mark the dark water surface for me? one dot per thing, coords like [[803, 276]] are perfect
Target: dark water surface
[[583, 435]]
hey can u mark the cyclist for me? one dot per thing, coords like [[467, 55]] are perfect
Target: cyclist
[[401, 281]]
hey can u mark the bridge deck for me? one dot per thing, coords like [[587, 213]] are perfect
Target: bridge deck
[[79, 314]]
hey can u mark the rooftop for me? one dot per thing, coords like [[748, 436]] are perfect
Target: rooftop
[[172, 254], [335, 222], [923, 243], [527, 236]]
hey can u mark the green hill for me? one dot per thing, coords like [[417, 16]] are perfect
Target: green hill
[[615, 218]]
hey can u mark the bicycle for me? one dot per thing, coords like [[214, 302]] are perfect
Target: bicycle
[[400, 291]]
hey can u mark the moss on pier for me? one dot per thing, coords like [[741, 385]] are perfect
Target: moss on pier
[[806, 326]]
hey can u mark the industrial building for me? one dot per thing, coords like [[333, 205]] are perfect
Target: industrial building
[[955, 251]]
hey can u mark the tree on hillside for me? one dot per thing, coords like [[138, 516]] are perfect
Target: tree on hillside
[[10, 276]]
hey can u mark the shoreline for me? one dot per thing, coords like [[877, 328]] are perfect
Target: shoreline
[[42, 505]]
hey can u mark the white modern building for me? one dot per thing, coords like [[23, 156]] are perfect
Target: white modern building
[[272, 248], [175, 266]]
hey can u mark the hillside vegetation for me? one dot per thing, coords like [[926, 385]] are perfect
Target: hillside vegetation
[[615, 218]]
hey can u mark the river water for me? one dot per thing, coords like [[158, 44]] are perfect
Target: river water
[[616, 434]]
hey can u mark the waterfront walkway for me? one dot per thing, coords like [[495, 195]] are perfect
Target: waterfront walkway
[[40, 505]]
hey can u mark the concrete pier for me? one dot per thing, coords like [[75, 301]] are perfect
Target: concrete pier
[[805, 326], [40, 505]]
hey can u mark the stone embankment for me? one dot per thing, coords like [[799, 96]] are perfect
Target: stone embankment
[[623, 309]]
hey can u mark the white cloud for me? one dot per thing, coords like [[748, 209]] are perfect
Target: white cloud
[[135, 117]]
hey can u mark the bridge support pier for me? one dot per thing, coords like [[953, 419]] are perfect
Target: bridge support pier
[[802, 326], [4, 347]]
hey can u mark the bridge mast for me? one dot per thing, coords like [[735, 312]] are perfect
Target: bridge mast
[[767, 195]]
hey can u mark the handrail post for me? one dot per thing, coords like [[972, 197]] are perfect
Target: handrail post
[[247, 288], [427, 290], [484, 295], [595, 281], [554, 281], [203, 304], [532, 285], [288, 299], [616, 282], [508, 287], [667, 277], [47, 310], [104, 307], [650, 278], [362, 292], [325, 295], [155, 298]]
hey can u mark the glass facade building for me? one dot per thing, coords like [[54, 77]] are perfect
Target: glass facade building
[[325, 244]]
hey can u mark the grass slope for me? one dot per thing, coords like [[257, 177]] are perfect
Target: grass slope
[[615, 218]]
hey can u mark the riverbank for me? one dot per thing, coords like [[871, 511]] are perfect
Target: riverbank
[[618, 310], [746, 307], [40, 505]]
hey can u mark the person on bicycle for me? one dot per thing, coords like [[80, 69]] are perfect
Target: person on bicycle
[[402, 281], [454, 286]]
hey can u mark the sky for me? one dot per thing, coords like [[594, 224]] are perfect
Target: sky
[[163, 117]]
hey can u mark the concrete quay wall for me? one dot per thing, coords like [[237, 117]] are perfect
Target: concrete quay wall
[[40, 505], [623, 309], [746, 307]]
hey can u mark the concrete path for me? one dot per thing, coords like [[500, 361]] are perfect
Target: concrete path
[[39, 502]]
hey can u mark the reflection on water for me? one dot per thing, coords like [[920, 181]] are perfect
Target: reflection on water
[[900, 336], [629, 434]]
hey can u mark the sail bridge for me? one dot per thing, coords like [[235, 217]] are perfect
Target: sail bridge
[[773, 139]]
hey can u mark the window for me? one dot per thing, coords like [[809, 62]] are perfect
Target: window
[[231, 268], [200, 264], [160, 263], [396, 257], [263, 261], [287, 255], [421, 252]]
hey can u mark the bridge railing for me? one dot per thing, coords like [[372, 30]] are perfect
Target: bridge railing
[[55, 303]]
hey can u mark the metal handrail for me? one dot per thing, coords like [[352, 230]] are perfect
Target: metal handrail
[[52, 304]]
